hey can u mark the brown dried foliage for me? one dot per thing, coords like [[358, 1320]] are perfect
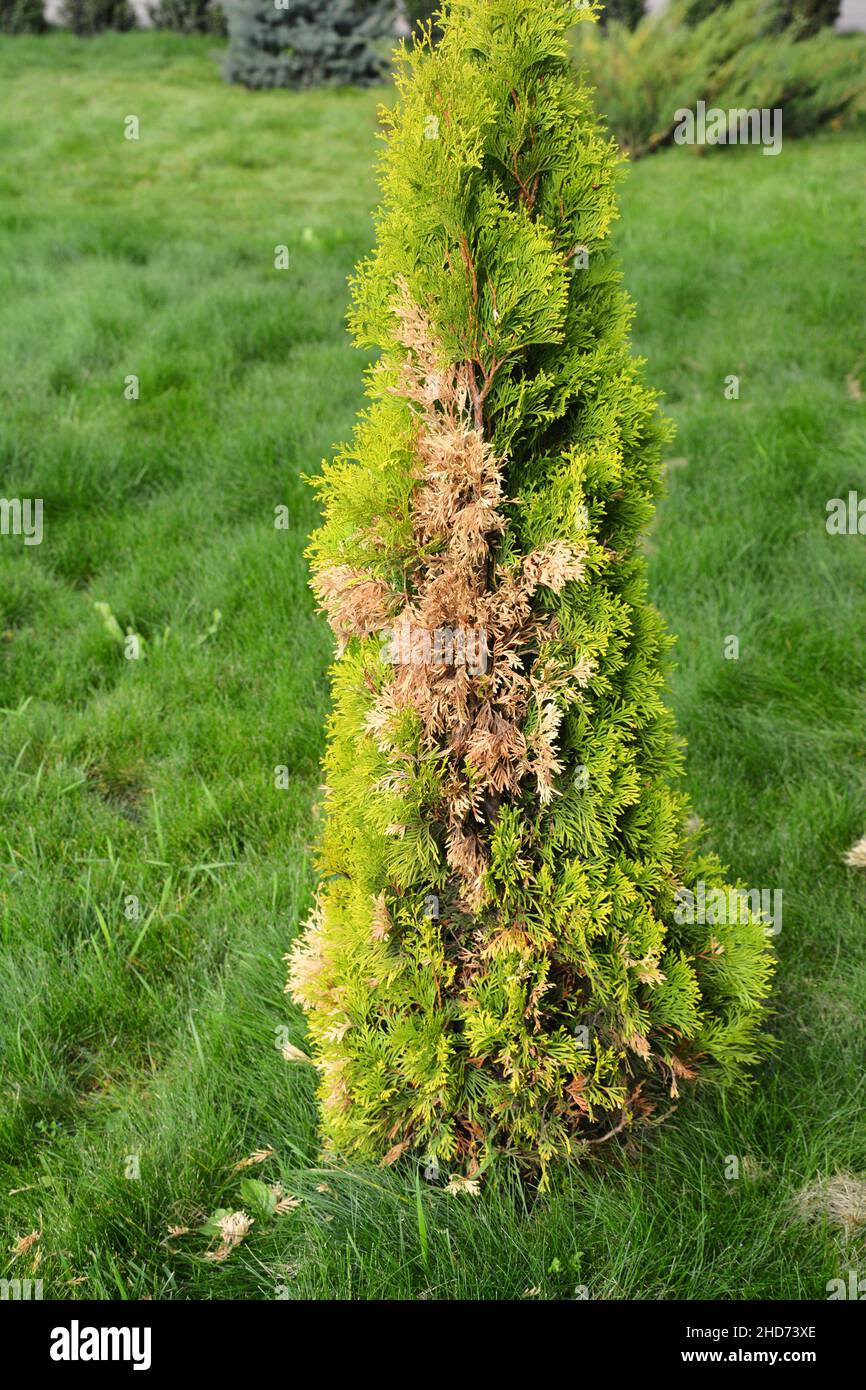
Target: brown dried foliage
[[476, 712]]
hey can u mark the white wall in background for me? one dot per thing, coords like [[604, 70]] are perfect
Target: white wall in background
[[853, 16]]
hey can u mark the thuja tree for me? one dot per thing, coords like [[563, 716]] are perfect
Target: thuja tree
[[500, 960], [306, 43]]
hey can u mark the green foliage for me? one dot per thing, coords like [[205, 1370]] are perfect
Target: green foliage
[[190, 17], [736, 57], [22, 17], [86, 17], [306, 43], [564, 997]]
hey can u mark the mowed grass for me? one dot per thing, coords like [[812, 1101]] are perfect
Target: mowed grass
[[141, 1039]]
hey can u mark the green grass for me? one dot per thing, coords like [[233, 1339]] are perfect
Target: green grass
[[158, 1037]]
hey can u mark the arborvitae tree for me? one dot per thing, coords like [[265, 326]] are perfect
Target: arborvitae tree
[[306, 43], [502, 957], [22, 17]]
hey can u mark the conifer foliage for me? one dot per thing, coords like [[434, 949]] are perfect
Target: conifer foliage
[[495, 964]]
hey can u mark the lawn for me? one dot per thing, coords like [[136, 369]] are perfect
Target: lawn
[[155, 867]]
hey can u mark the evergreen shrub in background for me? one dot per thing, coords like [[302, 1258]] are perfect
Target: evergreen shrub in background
[[420, 12], [628, 12], [308, 44], [190, 17], [741, 55], [806, 16], [809, 16], [22, 17], [86, 17], [495, 964]]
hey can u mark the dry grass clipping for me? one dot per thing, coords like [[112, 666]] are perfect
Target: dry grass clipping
[[856, 856], [840, 1201]]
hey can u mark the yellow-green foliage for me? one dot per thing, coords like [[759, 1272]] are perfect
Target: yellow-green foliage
[[570, 1000]]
